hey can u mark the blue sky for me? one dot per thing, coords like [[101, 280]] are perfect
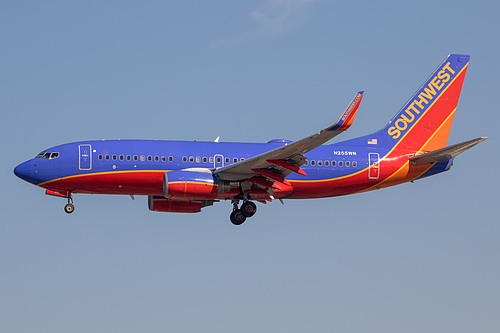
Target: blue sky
[[419, 257]]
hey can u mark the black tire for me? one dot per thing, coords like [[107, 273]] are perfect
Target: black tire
[[237, 217], [69, 208], [248, 209]]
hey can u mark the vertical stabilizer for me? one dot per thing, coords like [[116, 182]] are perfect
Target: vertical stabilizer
[[424, 122]]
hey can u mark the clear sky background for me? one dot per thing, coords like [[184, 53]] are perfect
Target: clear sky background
[[420, 257]]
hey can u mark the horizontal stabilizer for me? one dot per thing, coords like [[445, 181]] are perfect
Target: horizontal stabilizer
[[446, 153]]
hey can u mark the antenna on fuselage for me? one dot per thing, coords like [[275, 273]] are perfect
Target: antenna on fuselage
[[217, 139]]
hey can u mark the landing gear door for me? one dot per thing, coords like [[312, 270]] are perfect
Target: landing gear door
[[85, 157], [374, 166]]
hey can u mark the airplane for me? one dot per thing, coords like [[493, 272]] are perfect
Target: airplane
[[184, 177]]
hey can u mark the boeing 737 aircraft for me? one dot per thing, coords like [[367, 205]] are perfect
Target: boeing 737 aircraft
[[184, 177]]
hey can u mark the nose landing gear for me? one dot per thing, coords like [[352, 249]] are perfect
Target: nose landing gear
[[69, 208], [239, 215]]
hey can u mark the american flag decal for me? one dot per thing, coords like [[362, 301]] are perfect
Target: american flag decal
[[372, 141]]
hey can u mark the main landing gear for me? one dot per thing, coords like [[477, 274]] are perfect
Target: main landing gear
[[239, 215], [69, 208]]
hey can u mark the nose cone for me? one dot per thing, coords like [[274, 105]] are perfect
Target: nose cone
[[26, 172]]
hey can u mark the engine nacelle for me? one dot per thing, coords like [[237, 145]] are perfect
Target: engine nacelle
[[162, 204], [189, 185]]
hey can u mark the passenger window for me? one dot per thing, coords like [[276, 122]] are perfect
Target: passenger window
[[235, 160], [211, 160], [191, 159], [354, 164], [122, 157], [341, 163], [99, 157], [327, 163], [320, 163], [129, 157], [163, 159], [227, 159], [242, 159], [306, 163], [184, 159], [205, 159], [334, 163], [107, 157], [136, 158], [198, 159], [170, 158], [150, 158], [157, 158], [219, 160], [347, 163], [143, 158], [114, 157], [313, 162]]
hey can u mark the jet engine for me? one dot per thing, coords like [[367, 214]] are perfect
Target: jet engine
[[190, 185]]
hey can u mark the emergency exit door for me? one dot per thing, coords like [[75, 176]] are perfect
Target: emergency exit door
[[374, 166]]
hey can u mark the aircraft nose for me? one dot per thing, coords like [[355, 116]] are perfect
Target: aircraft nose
[[25, 171]]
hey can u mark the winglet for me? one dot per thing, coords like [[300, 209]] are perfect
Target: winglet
[[346, 119]]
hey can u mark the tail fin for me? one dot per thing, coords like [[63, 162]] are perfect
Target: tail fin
[[424, 122]]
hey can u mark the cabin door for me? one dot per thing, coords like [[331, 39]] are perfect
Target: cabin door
[[374, 166], [85, 154]]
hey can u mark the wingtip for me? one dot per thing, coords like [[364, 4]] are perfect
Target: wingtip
[[346, 119], [481, 139]]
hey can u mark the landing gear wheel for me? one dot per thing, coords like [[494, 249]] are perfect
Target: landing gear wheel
[[248, 209], [69, 208], [237, 217]]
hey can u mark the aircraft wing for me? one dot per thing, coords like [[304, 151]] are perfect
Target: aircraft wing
[[288, 158], [446, 153]]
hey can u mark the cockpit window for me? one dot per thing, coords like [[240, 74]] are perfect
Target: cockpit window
[[47, 156]]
